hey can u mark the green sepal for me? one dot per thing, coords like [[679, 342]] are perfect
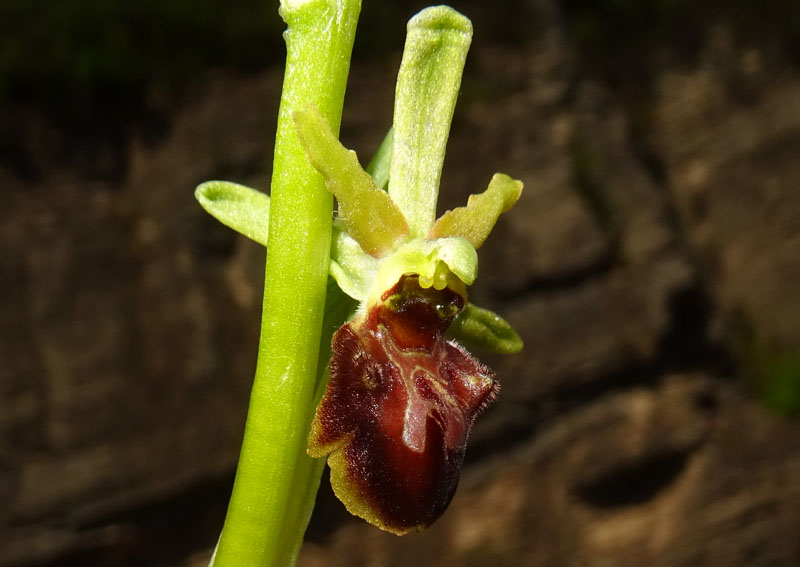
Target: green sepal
[[480, 328], [428, 83], [241, 208], [372, 219], [475, 221]]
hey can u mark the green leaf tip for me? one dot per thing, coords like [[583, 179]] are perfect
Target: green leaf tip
[[480, 328], [372, 219], [241, 208], [475, 221]]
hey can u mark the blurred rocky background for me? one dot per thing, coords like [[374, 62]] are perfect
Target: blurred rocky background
[[652, 267]]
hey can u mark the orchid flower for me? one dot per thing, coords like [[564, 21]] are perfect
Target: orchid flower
[[403, 392]]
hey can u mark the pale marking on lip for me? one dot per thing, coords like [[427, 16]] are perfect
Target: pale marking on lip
[[417, 408]]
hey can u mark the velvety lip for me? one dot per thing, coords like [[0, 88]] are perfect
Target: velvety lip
[[398, 409]]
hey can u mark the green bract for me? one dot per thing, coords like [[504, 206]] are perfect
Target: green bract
[[428, 82]]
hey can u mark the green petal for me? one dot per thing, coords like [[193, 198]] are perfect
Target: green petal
[[241, 208], [480, 328], [445, 262], [475, 221], [352, 268], [372, 219]]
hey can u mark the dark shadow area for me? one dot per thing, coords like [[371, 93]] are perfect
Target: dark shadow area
[[635, 483], [158, 533]]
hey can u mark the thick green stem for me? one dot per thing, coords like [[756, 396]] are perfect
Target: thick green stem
[[275, 480]]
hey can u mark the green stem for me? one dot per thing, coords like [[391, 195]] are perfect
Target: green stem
[[275, 479], [338, 308]]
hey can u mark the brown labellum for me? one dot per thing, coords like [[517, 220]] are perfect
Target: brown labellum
[[398, 408]]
